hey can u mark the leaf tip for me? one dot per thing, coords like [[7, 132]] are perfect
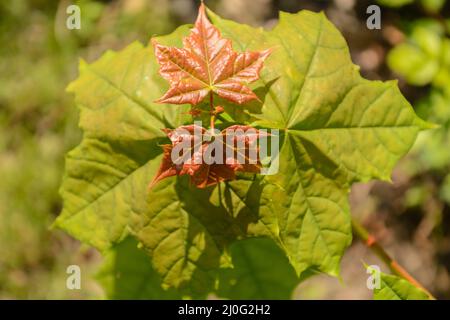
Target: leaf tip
[[322, 14], [425, 125], [163, 100]]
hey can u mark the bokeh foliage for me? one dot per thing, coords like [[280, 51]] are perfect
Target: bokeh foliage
[[38, 57], [423, 60]]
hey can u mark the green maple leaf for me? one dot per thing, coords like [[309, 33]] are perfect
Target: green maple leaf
[[126, 273], [261, 271], [396, 288], [336, 128]]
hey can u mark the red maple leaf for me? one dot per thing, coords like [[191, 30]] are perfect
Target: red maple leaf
[[238, 152], [207, 63]]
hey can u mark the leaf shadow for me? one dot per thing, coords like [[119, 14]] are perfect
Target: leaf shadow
[[134, 149], [247, 112], [261, 92], [122, 279], [213, 219], [249, 213], [319, 161]]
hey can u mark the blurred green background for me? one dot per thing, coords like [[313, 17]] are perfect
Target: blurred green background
[[38, 124]]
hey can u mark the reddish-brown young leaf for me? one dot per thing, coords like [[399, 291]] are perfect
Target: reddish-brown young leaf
[[239, 141], [207, 62]]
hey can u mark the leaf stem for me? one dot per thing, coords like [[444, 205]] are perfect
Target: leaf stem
[[211, 107], [370, 241]]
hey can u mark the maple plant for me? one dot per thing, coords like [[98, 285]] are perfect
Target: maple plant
[[171, 230]]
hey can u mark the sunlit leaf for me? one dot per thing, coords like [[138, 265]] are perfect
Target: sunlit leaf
[[336, 128], [395, 288], [206, 63], [209, 158]]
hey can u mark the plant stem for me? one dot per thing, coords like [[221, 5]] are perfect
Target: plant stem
[[211, 107], [370, 241]]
